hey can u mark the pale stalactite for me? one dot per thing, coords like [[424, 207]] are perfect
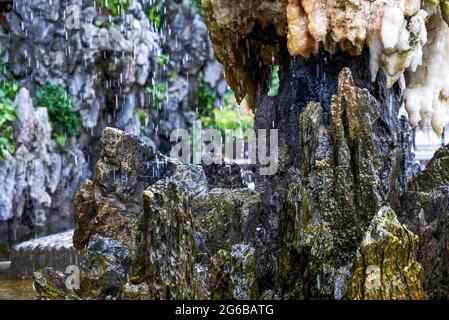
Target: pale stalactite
[[396, 36], [427, 90], [299, 39], [396, 33]]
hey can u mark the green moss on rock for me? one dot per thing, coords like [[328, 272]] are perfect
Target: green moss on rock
[[386, 266]]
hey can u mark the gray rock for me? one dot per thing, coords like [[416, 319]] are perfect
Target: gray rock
[[105, 268]]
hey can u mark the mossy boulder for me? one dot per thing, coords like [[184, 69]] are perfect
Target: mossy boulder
[[105, 268], [232, 274], [226, 217], [50, 284], [386, 265]]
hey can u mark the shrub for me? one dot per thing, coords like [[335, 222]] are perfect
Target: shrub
[[156, 14], [157, 94], [61, 111], [204, 98], [115, 7], [233, 116], [275, 82], [8, 115]]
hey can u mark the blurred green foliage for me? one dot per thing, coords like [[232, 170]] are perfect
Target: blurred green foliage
[[233, 116], [61, 111], [8, 113], [156, 14], [115, 7], [157, 94], [229, 116], [143, 117], [275, 82]]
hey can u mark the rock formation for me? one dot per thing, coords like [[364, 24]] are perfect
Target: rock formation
[[348, 215], [402, 36], [109, 68]]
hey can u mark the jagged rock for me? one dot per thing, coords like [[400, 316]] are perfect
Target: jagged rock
[[191, 179], [232, 274], [226, 217], [50, 285], [436, 173], [427, 198], [224, 176], [386, 266], [8, 176], [426, 207], [434, 257], [165, 242], [136, 292], [105, 268], [113, 204], [343, 178]]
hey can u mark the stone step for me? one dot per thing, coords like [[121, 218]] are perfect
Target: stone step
[[54, 251]]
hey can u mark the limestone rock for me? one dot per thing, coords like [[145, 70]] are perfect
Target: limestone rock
[[32, 188], [434, 257], [426, 210], [226, 217]]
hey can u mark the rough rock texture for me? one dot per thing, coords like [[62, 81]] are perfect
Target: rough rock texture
[[166, 243], [426, 208], [232, 274], [105, 268], [136, 292], [395, 31], [50, 285], [226, 217], [386, 267], [40, 179], [340, 162], [112, 205], [109, 68]]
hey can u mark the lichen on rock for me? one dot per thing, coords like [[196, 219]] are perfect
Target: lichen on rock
[[232, 274], [165, 242], [386, 265]]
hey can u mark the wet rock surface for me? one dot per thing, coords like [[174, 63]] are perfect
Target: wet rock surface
[[105, 268], [50, 285], [112, 205], [35, 183], [346, 216], [386, 267]]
